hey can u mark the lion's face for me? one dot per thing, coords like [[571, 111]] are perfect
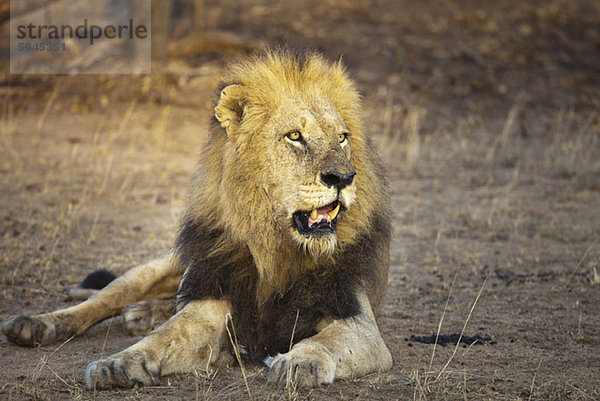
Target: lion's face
[[307, 171], [292, 157]]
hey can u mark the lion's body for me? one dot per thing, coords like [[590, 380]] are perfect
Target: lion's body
[[278, 236]]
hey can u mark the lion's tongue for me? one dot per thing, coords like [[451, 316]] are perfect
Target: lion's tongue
[[322, 213]]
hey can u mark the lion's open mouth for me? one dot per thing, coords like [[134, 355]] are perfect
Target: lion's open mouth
[[323, 219]]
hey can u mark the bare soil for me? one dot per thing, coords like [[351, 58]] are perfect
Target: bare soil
[[487, 114]]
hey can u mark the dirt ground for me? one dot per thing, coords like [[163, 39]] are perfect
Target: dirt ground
[[487, 114]]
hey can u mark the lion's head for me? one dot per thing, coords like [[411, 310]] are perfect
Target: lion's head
[[288, 165]]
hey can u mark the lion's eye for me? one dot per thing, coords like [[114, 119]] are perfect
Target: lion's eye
[[342, 137], [294, 135]]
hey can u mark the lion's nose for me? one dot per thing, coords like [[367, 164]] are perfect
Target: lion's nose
[[337, 179]]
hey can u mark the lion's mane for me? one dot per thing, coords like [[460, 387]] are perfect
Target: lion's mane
[[232, 241]]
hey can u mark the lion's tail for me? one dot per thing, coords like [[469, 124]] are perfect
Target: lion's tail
[[90, 285]]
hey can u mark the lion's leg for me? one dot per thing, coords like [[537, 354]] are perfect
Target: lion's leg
[[193, 338], [341, 349], [158, 278]]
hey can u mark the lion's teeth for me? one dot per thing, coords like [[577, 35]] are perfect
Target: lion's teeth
[[335, 211], [314, 214]]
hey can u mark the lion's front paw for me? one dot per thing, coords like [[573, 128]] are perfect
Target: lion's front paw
[[305, 365], [119, 372], [28, 331]]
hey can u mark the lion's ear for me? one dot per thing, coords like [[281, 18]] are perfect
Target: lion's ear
[[230, 108]]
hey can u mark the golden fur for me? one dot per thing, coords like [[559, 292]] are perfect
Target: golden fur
[[253, 178]]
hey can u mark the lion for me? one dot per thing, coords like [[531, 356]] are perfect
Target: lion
[[282, 254]]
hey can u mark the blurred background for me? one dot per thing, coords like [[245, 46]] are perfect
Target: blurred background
[[486, 114]]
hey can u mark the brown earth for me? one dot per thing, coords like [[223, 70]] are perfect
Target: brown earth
[[487, 114]]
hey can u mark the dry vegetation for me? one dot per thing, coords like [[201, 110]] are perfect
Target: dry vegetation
[[487, 115]]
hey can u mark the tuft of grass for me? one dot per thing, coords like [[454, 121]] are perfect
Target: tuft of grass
[[507, 128], [235, 345], [586, 253], [595, 277], [401, 132]]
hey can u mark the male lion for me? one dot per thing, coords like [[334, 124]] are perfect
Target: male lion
[[283, 249]]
